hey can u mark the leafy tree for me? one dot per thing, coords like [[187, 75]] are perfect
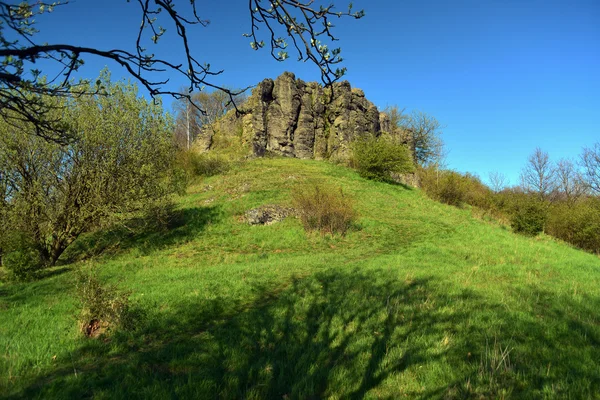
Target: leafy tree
[[420, 132], [120, 159], [23, 89], [539, 175], [529, 214], [590, 161], [424, 132], [378, 158]]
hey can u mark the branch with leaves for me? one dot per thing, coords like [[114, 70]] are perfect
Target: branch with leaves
[[306, 26]]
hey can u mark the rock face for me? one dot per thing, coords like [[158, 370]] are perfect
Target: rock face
[[293, 118]]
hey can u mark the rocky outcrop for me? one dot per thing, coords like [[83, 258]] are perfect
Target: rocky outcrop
[[294, 118], [268, 214]]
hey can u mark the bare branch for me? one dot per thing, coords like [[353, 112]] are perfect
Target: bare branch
[[590, 161], [304, 25], [539, 175]]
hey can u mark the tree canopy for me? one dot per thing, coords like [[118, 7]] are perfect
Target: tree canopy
[[120, 160]]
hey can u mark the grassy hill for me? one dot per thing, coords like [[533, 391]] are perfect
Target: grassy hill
[[418, 300]]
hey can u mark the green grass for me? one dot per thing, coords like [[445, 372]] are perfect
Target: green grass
[[418, 300]]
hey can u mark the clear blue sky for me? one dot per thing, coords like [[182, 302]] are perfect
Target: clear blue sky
[[502, 76]]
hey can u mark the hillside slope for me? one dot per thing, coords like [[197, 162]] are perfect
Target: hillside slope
[[419, 299]]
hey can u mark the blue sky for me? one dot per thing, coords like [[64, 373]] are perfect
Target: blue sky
[[502, 76]]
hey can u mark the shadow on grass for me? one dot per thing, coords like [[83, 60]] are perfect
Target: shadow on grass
[[183, 225], [54, 271], [341, 334]]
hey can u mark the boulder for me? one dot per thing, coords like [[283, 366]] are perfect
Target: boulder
[[268, 214]]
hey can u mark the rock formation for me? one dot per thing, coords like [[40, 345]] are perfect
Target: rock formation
[[293, 118]]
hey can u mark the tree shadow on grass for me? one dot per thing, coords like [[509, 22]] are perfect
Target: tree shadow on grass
[[183, 225], [329, 334], [344, 334], [552, 351]]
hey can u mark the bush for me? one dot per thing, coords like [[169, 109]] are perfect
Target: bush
[[20, 257], [103, 307], [529, 215], [377, 158], [451, 189], [202, 164], [454, 188], [324, 209], [443, 185], [578, 223]]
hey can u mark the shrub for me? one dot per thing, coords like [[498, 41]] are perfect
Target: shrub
[[454, 188], [20, 257], [451, 189], [103, 307], [324, 209], [529, 215], [202, 164], [578, 223], [377, 157], [443, 185]]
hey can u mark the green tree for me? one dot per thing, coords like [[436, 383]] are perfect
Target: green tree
[[120, 159], [529, 213], [378, 158], [420, 132], [425, 136]]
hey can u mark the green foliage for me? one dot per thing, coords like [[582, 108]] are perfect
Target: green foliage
[[324, 209], [424, 133], [529, 214], [202, 164], [209, 164], [578, 223], [378, 157], [569, 218], [120, 159], [451, 189], [20, 257], [103, 307], [448, 187]]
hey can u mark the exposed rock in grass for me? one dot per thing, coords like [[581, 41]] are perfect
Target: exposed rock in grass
[[268, 214]]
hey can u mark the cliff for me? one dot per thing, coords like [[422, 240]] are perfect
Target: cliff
[[293, 118]]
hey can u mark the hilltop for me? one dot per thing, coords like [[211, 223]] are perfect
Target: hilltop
[[293, 118], [417, 300]]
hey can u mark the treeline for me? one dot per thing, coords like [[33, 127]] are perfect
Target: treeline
[[559, 198]]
